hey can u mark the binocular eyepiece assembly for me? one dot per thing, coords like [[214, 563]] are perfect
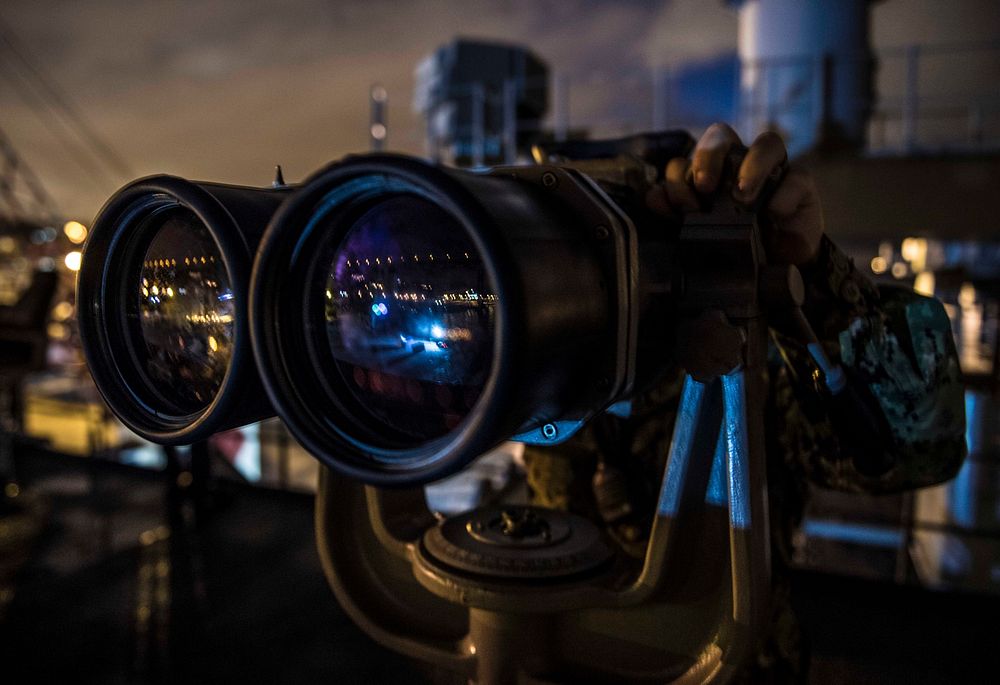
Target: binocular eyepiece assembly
[[402, 318]]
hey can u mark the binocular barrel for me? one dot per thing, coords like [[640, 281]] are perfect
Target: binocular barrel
[[404, 318], [408, 318], [162, 296]]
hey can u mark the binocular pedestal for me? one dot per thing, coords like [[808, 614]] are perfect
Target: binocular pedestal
[[527, 595], [532, 596]]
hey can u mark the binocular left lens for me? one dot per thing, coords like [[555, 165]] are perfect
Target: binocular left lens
[[162, 298]]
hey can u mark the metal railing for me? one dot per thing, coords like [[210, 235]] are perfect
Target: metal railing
[[941, 98]]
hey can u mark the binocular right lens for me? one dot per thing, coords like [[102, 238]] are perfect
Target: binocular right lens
[[407, 318], [410, 316]]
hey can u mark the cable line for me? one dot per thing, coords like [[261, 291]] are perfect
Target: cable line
[[58, 96]]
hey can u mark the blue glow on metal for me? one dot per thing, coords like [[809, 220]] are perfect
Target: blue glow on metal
[[962, 494], [564, 431], [974, 425], [621, 409], [737, 448], [716, 493], [833, 374], [857, 533], [688, 414], [962, 490]]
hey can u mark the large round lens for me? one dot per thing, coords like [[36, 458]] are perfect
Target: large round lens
[[409, 312], [182, 310]]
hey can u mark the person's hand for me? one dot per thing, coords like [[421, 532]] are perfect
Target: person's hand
[[796, 219]]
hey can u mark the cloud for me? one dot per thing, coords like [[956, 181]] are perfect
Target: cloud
[[223, 89]]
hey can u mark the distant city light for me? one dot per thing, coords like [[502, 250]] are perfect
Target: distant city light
[[57, 331], [62, 311], [967, 295], [899, 270], [72, 260], [879, 265], [914, 250], [75, 231], [437, 331], [924, 283]]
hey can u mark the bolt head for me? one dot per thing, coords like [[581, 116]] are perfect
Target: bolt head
[[549, 179]]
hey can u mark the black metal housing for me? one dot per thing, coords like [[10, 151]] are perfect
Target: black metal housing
[[562, 260], [235, 216]]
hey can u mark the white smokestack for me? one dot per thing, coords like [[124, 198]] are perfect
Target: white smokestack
[[805, 69]]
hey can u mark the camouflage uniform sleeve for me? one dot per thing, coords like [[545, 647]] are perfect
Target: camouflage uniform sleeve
[[898, 347]]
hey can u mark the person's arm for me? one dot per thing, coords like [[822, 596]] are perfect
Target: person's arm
[[897, 349], [904, 401]]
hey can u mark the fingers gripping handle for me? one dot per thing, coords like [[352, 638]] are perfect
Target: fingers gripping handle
[[725, 192]]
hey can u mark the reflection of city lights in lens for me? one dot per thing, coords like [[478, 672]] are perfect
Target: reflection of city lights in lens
[[213, 344], [899, 270], [73, 260], [378, 131], [879, 265], [437, 331], [57, 331], [7, 244], [75, 231]]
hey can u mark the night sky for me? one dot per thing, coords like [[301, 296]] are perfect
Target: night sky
[[224, 89]]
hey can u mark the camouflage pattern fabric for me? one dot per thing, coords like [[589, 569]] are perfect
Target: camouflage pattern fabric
[[893, 342], [899, 345]]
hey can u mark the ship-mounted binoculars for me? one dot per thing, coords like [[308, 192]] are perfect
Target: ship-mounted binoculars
[[403, 319]]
